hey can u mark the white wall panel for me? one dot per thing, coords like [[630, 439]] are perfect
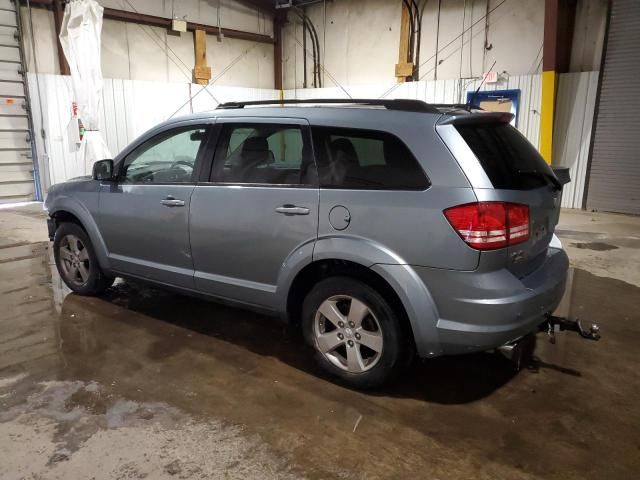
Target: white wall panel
[[572, 131], [129, 108], [445, 91]]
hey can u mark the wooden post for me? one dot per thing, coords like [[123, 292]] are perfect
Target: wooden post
[[404, 67], [201, 71]]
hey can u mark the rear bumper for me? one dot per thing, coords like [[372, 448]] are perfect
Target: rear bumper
[[479, 311]]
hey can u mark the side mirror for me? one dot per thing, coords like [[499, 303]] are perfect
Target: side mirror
[[103, 170], [562, 174]]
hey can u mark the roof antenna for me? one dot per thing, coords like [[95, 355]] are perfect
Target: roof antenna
[[473, 97]]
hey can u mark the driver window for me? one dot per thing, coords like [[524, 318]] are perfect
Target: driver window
[[275, 154], [167, 158]]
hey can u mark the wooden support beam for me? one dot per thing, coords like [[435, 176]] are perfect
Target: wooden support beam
[[201, 71], [404, 67]]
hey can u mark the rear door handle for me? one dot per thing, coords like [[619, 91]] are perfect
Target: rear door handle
[[292, 210], [172, 202]]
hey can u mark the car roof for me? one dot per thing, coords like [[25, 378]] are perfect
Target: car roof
[[324, 110], [376, 114]]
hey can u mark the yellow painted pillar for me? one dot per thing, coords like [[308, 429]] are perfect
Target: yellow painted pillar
[[548, 105]]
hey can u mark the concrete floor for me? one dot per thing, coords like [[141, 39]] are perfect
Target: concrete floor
[[144, 383]]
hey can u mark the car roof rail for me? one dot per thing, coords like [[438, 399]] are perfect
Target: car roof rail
[[401, 104]]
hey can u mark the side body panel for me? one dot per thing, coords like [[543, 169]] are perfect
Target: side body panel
[[145, 238], [240, 243]]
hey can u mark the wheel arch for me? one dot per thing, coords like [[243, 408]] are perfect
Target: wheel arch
[[316, 271], [374, 264], [68, 210]]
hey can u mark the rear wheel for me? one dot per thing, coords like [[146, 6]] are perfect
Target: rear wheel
[[356, 334], [76, 261]]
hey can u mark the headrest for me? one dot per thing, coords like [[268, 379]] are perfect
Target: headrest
[[255, 144], [344, 152]]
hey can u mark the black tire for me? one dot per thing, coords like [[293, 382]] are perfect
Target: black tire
[[393, 352], [96, 282]]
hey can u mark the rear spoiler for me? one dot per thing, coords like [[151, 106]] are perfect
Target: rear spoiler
[[562, 174], [476, 118]]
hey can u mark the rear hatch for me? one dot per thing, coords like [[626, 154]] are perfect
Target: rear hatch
[[519, 175]]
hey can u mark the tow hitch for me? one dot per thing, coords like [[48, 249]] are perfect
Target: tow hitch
[[549, 326]]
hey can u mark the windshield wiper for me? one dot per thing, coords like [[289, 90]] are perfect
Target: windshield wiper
[[548, 176]]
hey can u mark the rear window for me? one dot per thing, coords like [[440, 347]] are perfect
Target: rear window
[[364, 160], [507, 157]]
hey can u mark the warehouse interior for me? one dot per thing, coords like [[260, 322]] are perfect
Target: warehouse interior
[[144, 382]]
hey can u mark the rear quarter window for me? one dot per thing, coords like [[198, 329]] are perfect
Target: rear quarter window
[[506, 156], [365, 160]]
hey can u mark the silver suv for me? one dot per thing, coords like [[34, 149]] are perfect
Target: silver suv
[[383, 228]]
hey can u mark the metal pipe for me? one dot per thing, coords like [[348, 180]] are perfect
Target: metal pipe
[[435, 67], [317, 47], [313, 52], [304, 55], [277, 53]]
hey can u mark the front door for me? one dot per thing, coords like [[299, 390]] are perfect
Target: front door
[[260, 206], [144, 215]]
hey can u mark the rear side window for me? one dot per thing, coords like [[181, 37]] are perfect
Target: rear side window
[[507, 157], [263, 153], [365, 159]]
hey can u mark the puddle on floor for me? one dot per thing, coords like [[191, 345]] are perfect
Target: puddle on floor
[[139, 355], [597, 246]]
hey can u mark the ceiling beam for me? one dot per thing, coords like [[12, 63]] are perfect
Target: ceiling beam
[[161, 22]]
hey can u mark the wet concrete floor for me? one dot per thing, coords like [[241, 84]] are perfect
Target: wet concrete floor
[[147, 383]]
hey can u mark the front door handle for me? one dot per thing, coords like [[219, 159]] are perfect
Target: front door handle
[[172, 202], [292, 210]]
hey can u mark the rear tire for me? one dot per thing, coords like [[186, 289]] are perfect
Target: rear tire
[[76, 261], [356, 334]]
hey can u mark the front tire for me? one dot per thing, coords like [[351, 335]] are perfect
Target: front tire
[[76, 261], [356, 334]]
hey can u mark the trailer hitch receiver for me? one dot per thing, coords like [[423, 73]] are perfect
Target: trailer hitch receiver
[[592, 333]]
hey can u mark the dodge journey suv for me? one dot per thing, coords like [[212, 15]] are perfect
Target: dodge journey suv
[[383, 228]]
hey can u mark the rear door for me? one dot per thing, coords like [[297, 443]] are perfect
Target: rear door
[[258, 208], [518, 174]]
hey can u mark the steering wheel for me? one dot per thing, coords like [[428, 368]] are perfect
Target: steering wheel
[[181, 162]]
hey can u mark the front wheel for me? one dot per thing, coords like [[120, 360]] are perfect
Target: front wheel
[[355, 332], [77, 262]]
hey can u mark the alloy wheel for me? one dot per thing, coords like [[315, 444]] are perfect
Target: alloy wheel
[[74, 260], [348, 334]]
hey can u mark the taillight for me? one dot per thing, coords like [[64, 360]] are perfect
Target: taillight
[[490, 225]]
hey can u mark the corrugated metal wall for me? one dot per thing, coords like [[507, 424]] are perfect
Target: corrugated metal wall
[[446, 91], [129, 108], [572, 130], [614, 182]]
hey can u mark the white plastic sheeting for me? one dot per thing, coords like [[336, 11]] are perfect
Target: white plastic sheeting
[[80, 39]]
